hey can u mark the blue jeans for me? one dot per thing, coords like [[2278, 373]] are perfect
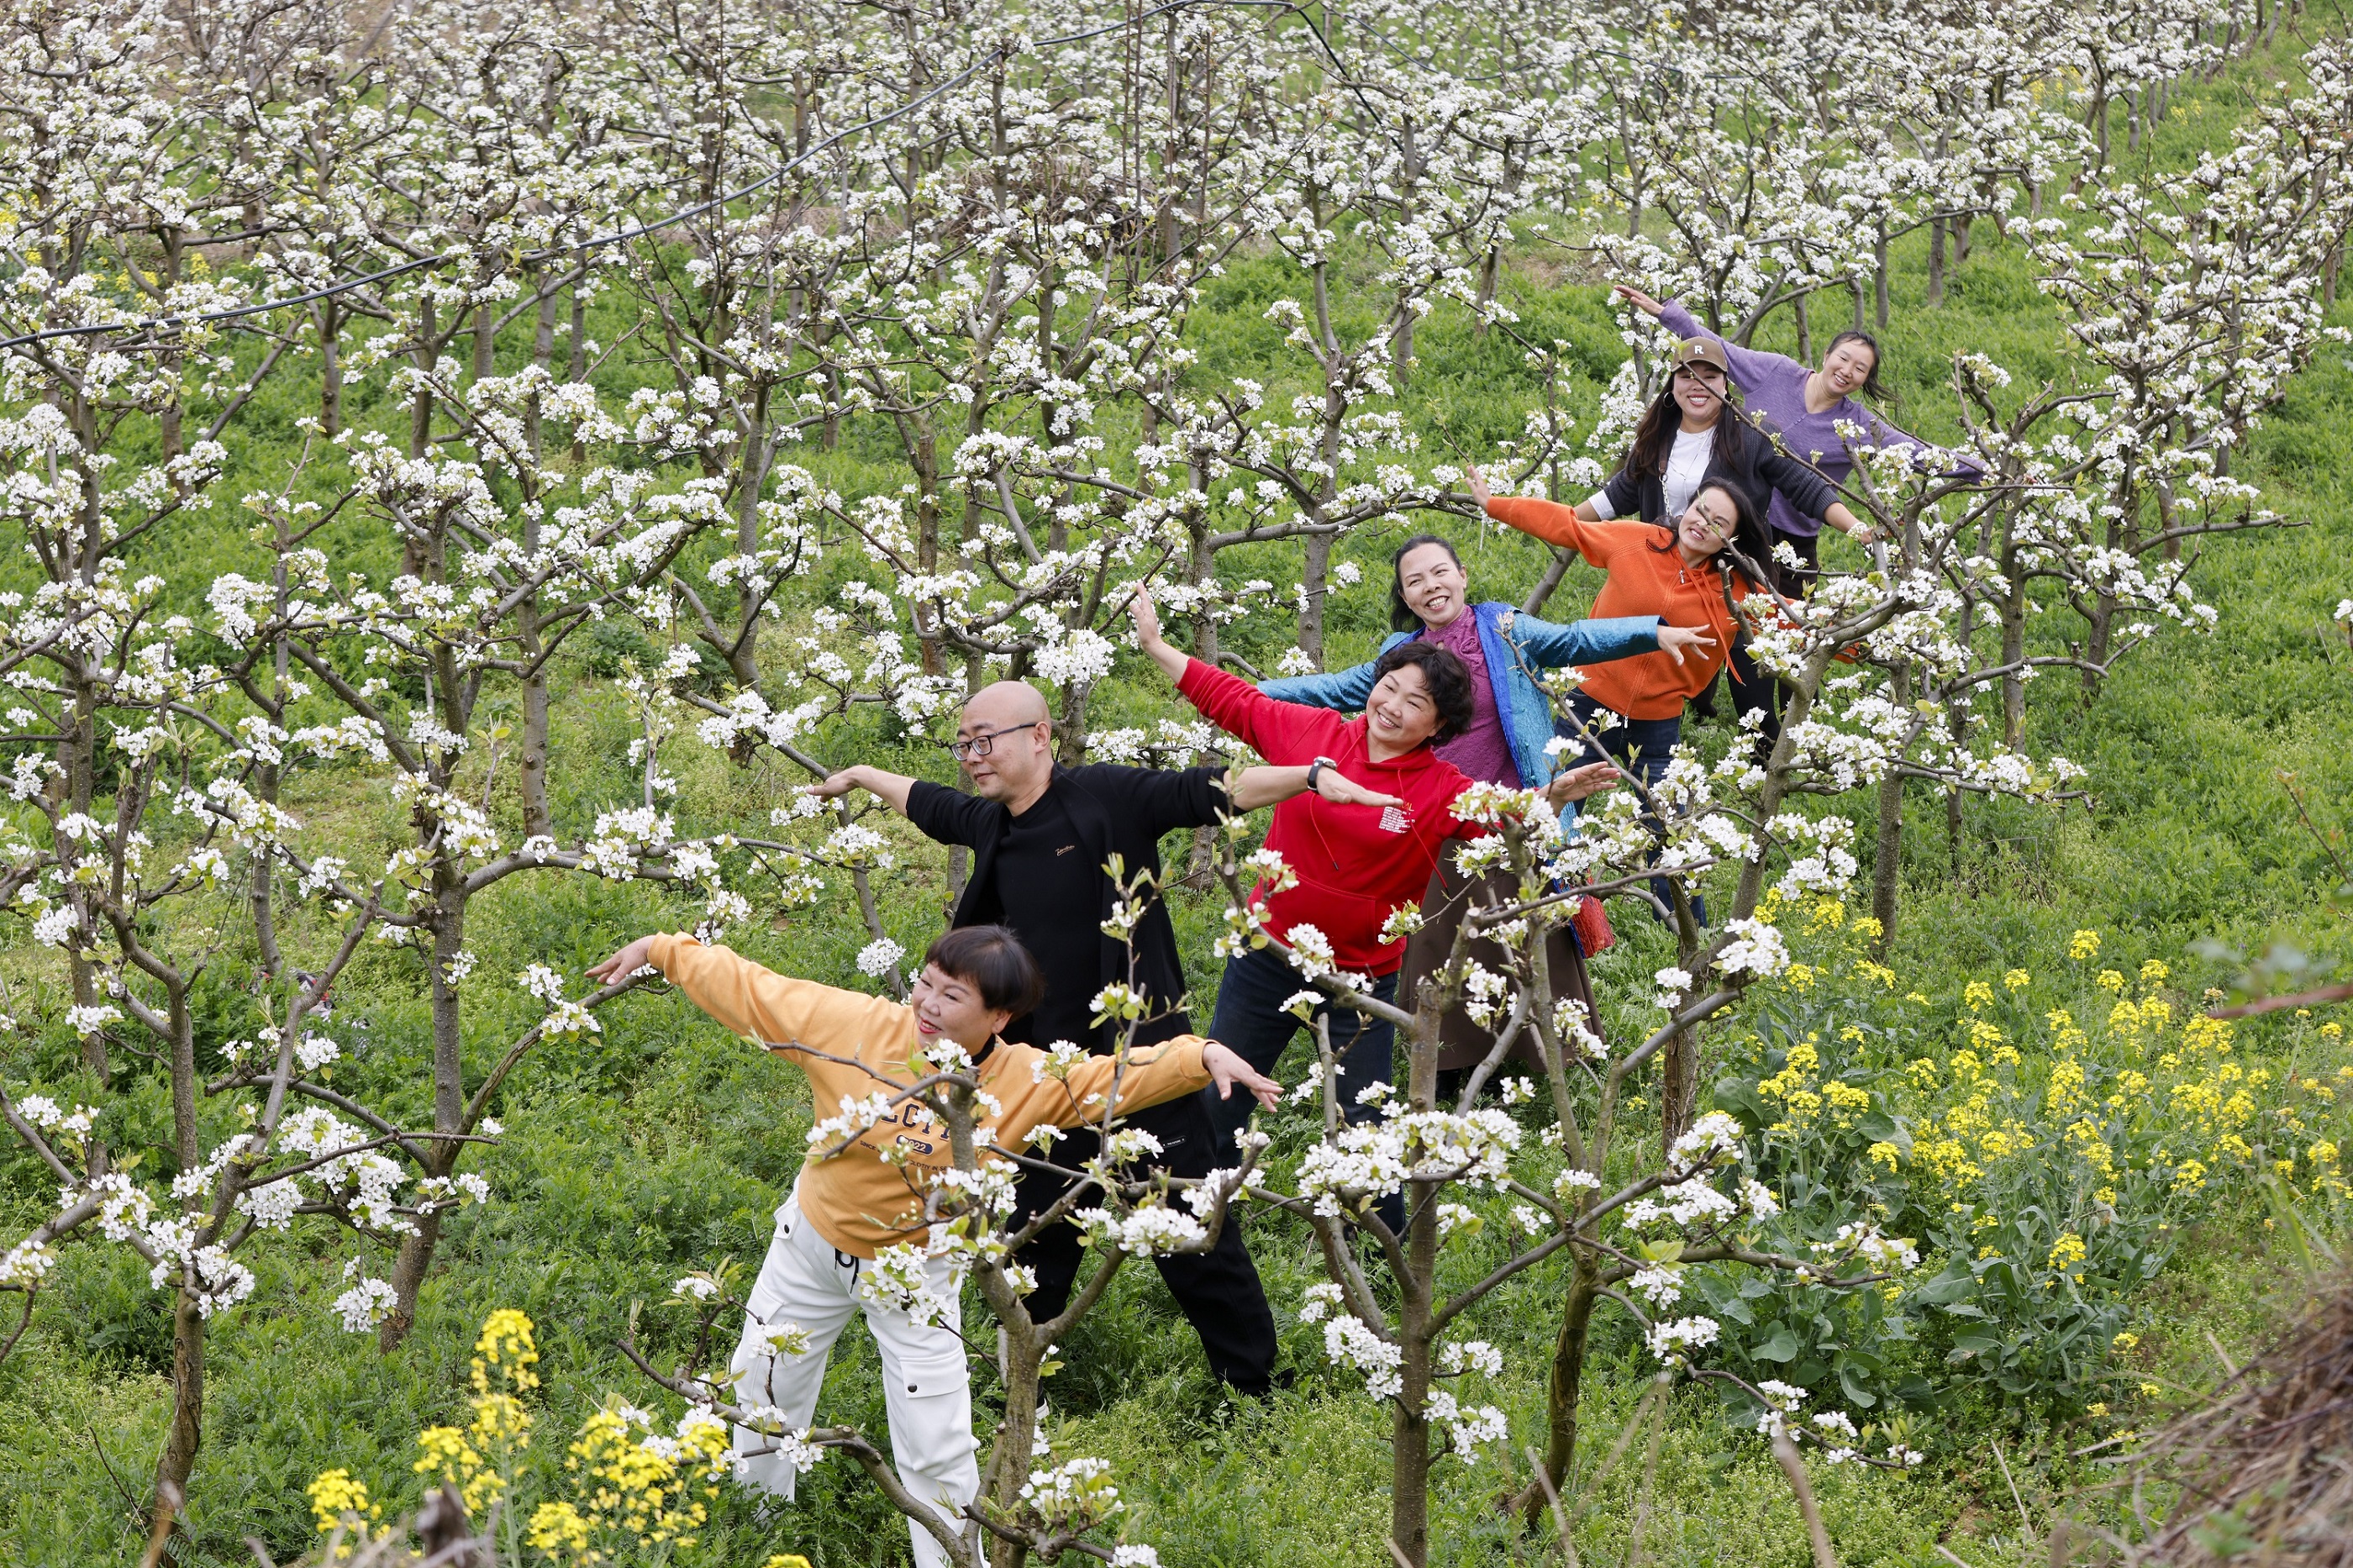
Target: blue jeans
[[1643, 747], [1251, 1022]]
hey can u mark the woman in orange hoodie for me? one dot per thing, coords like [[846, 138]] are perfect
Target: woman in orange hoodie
[[1690, 571], [866, 1196]]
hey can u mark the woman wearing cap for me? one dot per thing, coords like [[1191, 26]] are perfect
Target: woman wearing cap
[[1804, 408], [1508, 741], [1695, 570], [1691, 435]]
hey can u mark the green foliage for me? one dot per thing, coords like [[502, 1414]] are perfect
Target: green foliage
[[658, 1144]]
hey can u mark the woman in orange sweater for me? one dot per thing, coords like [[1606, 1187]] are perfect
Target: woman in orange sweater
[[868, 1195], [1688, 573]]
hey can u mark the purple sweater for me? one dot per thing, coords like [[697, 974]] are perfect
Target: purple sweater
[[1774, 389]]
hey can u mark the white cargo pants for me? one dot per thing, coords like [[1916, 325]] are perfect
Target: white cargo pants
[[806, 1284]]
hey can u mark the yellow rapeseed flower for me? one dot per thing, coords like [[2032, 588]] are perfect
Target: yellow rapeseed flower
[[557, 1529], [2085, 944], [1977, 994], [2017, 979], [506, 1344], [2110, 980], [336, 1496], [2155, 972]]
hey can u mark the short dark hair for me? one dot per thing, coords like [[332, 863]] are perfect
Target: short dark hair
[[1401, 618], [992, 960], [1446, 675]]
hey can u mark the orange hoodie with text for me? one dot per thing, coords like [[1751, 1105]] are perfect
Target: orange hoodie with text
[[860, 1201], [1644, 579]]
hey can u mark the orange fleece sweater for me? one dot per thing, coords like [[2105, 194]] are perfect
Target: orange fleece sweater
[[859, 1200], [1644, 579]]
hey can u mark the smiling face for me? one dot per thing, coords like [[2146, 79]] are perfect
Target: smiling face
[[1400, 714], [1848, 366], [949, 1006], [1432, 584], [1708, 524], [1699, 394]]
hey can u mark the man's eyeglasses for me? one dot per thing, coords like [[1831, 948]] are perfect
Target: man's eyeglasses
[[980, 745]]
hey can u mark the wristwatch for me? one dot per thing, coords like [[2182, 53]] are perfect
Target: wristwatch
[[1316, 770]]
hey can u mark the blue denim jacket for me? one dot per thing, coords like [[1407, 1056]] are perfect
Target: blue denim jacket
[[1516, 646]]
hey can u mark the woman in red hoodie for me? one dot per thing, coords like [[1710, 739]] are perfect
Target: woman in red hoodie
[[1354, 865]]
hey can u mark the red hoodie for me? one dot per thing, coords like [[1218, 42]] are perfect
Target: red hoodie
[[1355, 863]]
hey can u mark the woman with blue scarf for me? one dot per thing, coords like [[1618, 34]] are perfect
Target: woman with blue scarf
[[1508, 741]]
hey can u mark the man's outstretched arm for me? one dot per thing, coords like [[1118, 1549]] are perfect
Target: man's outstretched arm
[[891, 789]]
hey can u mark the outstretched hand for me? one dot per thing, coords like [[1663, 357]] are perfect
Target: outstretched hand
[[1578, 784], [1640, 301], [622, 964], [1227, 1068], [1476, 483], [1672, 640], [1147, 616]]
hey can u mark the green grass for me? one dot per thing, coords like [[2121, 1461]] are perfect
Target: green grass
[[661, 1145]]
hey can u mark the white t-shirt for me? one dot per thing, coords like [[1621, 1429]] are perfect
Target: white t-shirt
[[1686, 466]]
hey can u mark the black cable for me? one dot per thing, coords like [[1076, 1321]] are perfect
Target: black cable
[[344, 286]]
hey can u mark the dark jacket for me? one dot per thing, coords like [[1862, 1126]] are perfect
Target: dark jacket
[[1116, 811], [1756, 470]]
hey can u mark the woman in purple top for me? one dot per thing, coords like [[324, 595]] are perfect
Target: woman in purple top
[[1804, 408]]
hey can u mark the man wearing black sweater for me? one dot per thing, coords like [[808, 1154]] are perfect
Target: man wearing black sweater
[[1041, 836]]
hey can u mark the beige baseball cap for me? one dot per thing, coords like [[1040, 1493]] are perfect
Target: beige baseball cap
[[1700, 351]]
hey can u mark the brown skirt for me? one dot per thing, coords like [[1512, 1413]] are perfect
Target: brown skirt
[[1443, 904]]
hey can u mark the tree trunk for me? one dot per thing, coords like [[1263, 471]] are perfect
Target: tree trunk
[[407, 1279], [1410, 1463], [185, 1435], [2013, 646], [1550, 580], [1313, 578], [448, 1111], [1879, 275], [1566, 1387], [1805, 330], [1936, 295], [1678, 1086], [1887, 854], [330, 368]]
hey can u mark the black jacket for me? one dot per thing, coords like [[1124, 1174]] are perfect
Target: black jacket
[[1758, 470], [1116, 811]]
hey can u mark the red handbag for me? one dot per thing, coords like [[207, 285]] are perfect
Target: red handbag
[[1591, 923]]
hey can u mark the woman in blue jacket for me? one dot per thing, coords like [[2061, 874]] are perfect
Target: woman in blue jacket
[[1509, 741]]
